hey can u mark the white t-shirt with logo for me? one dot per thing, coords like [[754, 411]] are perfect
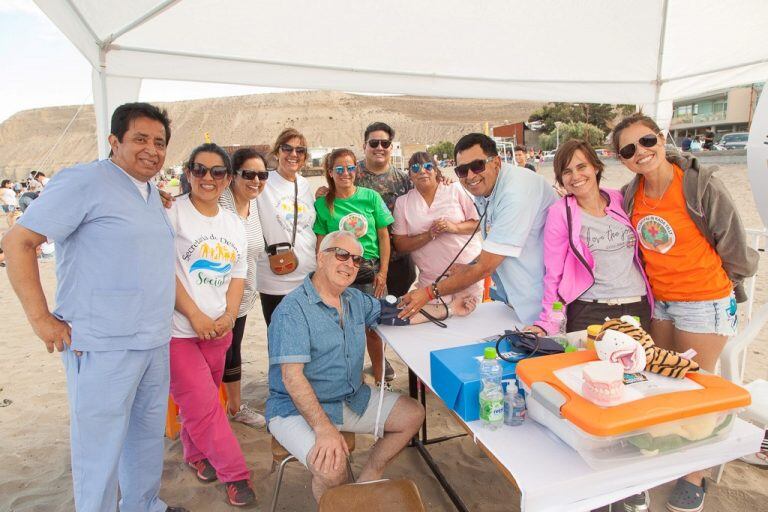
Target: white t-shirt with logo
[[210, 251], [276, 214]]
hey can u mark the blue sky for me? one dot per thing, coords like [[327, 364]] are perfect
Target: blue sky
[[41, 68]]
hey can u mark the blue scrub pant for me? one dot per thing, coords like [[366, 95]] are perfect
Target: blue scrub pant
[[117, 405]]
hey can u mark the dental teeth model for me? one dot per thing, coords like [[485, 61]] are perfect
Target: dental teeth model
[[603, 383]]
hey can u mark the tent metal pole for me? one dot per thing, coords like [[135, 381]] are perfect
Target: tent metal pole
[[157, 10], [660, 56], [82, 20], [717, 70]]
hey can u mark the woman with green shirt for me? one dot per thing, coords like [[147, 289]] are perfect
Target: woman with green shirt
[[360, 211]]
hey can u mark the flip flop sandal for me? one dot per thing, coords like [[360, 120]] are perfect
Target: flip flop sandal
[[687, 497]]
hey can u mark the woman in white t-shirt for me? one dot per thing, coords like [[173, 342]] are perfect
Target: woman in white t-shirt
[[211, 267], [286, 192], [250, 177]]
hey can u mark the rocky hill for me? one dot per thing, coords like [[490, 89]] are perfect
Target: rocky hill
[[328, 119]]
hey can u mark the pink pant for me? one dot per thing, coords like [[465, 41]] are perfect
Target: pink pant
[[197, 367]]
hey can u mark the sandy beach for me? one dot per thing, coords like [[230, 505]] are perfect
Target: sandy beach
[[34, 431]]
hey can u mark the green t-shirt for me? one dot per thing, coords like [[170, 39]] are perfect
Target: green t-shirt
[[362, 214]]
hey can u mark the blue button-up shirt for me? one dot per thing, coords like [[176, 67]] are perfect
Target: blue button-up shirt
[[306, 330]]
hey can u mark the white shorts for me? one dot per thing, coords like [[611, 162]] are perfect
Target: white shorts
[[296, 436]]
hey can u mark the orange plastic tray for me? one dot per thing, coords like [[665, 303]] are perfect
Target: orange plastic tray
[[717, 395]]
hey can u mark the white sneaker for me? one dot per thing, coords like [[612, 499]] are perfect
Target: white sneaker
[[248, 416]]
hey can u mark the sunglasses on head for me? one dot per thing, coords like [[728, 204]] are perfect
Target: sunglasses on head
[[374, 143], [218, 172], [476, 166], [344, 255], [427, 166], [339, 169], [250, 174], [647, 141], [287, 148]]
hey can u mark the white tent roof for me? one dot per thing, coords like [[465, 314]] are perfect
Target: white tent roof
[[610, 51]]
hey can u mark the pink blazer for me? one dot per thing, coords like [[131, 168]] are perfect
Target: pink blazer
[[567, 261]]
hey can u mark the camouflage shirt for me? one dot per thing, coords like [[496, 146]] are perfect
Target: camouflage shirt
[[390, 185]]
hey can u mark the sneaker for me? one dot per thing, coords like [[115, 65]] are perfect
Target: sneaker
[[687, 497], [248, 416], [759, 459], [387, 386], [240, 493], [205, 471], [638, 503], [389, 372]]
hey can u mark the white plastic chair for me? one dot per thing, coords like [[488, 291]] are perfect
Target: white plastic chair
[[733, 357]]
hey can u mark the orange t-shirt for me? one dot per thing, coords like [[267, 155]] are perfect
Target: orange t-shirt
[[680, 263]]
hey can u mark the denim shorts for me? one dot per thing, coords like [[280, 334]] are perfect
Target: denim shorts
[[703, 317]]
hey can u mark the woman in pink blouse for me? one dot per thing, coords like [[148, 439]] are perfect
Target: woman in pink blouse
[[433, 221]]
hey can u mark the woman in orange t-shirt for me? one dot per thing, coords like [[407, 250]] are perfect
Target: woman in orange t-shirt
[[694, 251]]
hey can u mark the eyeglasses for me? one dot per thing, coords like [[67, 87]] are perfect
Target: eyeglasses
[[351, 169], [428, 166], [647, 141], [374, 143], [218, 172], [287, 148], [344, 255], [250, 174], [477, 166]]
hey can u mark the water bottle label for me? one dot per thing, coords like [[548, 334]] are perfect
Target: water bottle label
[[492, 410]]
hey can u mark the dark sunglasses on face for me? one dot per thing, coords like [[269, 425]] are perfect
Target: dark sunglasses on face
[[218, 172], [250, 174], [287, 148], [477, 166], [647, 141], [339, 169], [344, 255], [428, 166], [374, 143]]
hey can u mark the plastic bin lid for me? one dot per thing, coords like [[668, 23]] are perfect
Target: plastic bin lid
[[717, 395]]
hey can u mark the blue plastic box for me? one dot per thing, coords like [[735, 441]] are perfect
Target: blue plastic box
[[456, 376]]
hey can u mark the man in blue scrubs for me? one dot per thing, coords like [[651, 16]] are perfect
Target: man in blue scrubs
[[114, 302], [513, 206]]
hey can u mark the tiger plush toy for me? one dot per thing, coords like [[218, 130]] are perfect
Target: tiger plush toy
[[657, 360]]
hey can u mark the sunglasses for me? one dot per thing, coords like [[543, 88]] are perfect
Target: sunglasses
[[351, 169], [476, 166], [429, 166], [287, 148], [344, 255], [218, 172], [647, 141], [374, 143], [250, 174]]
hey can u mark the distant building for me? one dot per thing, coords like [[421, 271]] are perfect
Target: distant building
[[718, 112]]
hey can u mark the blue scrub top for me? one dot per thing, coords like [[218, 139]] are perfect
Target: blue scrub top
[[114, 257], [516, 212]]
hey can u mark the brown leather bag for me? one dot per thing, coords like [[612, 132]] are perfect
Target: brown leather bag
[[282, 257]]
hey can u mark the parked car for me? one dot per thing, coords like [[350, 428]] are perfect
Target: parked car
[[549, 155], [736, 140], [604, 153]]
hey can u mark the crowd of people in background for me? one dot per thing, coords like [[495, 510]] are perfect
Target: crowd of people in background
[[154, 291]]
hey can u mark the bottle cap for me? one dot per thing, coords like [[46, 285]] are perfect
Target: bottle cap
[[594, 330], [557, 306], [489, 353]]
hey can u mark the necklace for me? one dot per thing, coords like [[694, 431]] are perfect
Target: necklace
[[658, 201]]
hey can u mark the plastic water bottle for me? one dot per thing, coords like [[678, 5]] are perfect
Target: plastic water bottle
[[558, 316], [514, 405], [491, 396]]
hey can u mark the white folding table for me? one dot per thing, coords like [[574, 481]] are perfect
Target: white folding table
[[550, 475]]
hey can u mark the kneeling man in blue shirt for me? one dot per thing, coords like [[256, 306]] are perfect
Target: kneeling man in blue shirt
[[114, 303], [513, 207], [316, 350]]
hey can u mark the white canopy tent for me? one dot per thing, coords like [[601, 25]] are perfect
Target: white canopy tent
[[609, 51]]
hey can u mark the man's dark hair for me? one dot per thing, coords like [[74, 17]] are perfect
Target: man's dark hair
[[473, 139], [39, 174], [210, 147], [520, 148], [127, 112], [242, 155], [379, 127]]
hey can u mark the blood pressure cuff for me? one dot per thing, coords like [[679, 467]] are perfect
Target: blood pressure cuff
[[389, 312]]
